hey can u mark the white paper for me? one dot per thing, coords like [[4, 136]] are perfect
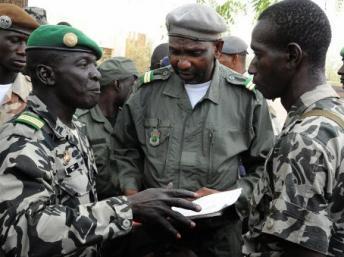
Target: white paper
[[212, 204]]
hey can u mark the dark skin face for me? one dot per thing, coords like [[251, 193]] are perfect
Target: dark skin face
[[192, 60], [235, 62], [269, 65], [12, 54], [341, 73], [71, 82]]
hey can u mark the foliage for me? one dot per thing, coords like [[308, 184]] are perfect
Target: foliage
[[260, 5]]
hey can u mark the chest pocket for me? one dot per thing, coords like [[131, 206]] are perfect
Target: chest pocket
[[73, 180], [157, 133], [101, 152]]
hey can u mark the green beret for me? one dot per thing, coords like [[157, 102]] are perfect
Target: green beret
[[61, 37], [14, 18], [342, 52], [195, 21], [116, 68]]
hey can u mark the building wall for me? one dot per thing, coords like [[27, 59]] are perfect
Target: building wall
[[21, 3]]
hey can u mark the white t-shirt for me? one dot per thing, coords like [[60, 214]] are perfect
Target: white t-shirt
[[3, 90], [196, 92]]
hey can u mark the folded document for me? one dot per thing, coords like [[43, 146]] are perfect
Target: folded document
[[212, 205]]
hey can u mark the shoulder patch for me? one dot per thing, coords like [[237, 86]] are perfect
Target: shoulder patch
[[30, 119], [153, 75]]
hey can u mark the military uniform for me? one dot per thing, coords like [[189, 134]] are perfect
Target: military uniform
[[16, 98], [100, 134], [299, 199], [161, 141], [48, 199]]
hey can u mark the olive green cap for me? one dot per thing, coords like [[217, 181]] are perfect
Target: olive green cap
[[234, 45], [116, 68], [342, 52], [64, 38], [195, 21]]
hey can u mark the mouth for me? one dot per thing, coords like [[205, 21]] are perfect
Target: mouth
[[20, 63]]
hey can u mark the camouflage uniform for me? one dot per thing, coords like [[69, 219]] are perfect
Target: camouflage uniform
[[16, 98], [48, 200], [300, 196]]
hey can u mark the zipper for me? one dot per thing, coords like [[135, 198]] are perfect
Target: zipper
[[211, 144]]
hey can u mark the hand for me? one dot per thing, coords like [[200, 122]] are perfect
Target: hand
[[206, 191], [153, 207], [128, 192]]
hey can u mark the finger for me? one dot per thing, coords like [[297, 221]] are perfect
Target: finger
[[181, 219], [166, 225], [181, 193], [182, 203]]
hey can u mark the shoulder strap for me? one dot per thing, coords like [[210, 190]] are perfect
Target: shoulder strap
[[330, 115], [30, 119]]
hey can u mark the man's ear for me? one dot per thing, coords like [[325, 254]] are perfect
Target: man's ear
[[116, 85], [295, 55], [45, 74], [218, 48]]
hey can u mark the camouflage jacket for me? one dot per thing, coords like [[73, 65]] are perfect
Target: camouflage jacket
[[48, 202], [300, 197], [15, 99]]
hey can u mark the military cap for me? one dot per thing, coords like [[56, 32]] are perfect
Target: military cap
[[195, 21], [116, 68], [38, 13], [61, 37], [234, 45], [14, 18], [158, 54], [342, 52]]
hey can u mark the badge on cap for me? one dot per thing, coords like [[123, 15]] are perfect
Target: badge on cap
[[154, 139], [5, 22], [70, 39]]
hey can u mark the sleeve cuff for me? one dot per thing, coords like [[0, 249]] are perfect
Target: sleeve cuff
[[298, 225]]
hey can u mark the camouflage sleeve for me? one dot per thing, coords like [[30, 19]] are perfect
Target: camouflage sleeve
[[127, 152], [303, 168], [253, 159], [32, 220]]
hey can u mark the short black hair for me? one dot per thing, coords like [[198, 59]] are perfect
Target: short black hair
[[36, 57], [302, 22]]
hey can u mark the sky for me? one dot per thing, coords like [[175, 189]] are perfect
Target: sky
[[110, 21]]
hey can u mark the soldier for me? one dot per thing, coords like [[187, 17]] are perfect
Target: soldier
[[191, 125], [298, 205], [159, 56], [233, 54], [48, 201], [15, 27], [341, 70], [118, 75]]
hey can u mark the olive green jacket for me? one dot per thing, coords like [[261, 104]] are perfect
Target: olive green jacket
[[100, 134], [160, 140]]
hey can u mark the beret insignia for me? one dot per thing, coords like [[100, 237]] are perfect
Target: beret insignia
[[5, 22], [70, 39]]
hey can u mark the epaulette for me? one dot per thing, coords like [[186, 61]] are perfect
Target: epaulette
[[238, 79], [30, 119], [158, 74]]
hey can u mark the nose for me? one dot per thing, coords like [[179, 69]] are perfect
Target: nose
[[252, 67], [21, 48], [184, 64], [341, 71], [95, 74]]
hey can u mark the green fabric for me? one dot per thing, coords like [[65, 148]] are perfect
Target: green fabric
[[31, 120], [99, 132], [52, 37], [342, 52], [116, 68]]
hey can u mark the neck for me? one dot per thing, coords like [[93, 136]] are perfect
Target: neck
[[7, 77], [55, 107], [304, 81], [107, 106]]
